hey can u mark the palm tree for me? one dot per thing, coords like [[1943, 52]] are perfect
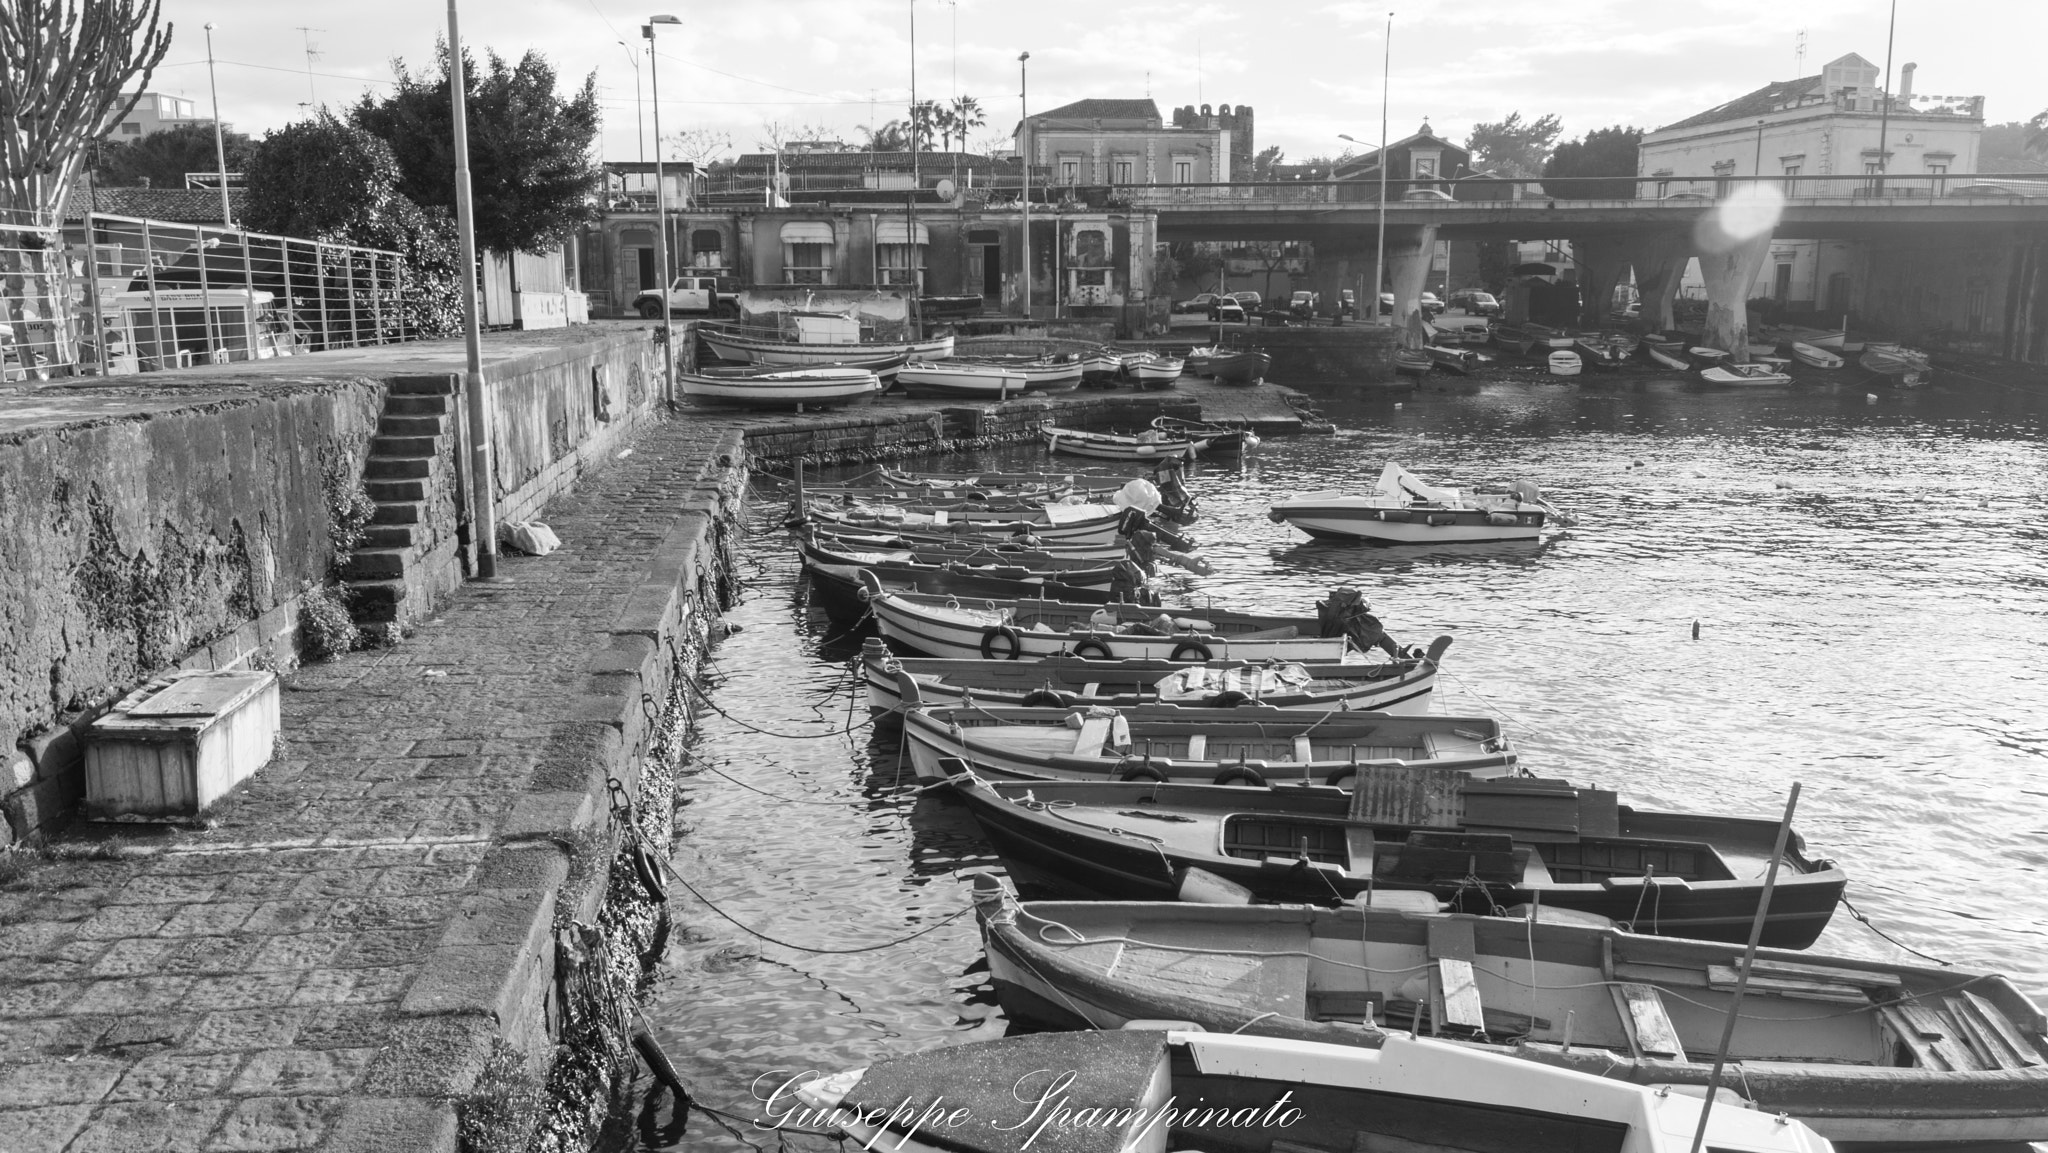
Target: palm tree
[[893, 136], [924, 124], [966, 116]]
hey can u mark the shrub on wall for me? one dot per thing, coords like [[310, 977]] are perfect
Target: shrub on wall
[[325, 628]]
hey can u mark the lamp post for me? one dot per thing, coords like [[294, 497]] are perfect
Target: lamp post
[[220, 151], [668, 328], [639, 113], [1024, 129], [1759, 152], [1884, 108], [482, 492]]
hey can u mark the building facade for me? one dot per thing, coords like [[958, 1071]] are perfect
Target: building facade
[[1838, 124], [154, 112], [1424, 160], [1112, 142]]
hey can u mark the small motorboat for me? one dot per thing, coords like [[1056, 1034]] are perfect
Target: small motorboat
[[1151, 1089], [1564, 363], [1063, 680], [1151, 445], [1153, 370], [1754, 375], [1403, 510], [1457, 361], [1412, 362], [1192, 744], [1239, 365], [1813, 356], [1774, 363], [1479, 844], [1900, 366], [780, 386], [1860, 1050], [950, 378], [1218, 439]]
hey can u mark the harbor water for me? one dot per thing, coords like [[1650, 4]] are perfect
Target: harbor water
[[1870, 584]]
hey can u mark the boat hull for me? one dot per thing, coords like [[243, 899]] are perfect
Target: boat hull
[[760, 392], [1354, 520], [754, 350], [960, 633], [1104, 446]]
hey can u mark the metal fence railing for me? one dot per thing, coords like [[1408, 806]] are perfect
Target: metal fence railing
[[113, 295]]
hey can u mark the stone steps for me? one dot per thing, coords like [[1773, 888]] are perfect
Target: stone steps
[[410, 455]]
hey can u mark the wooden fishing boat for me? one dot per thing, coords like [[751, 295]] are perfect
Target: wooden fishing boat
[[1514, 338], [825, 552], [1863, 1051], [1563, 363], [813, 340], [947, 378], [842, 587], [1746, 375], [1217, 439], [1896, 364], [1146, 446], [1063, 523], [1196, 360], [1401, 509], [938, 547], [1603, 352], [1152, 1089], [1153, 370], [1460, 361], [1058, 373], [1247, 744], [1060, 483], [1662, 357], [1542, 336], [1100, 367], [1240, 365], [780, 387], [1063, 680], [1813, 356], [1412, 362], [1478, 844], [1008, 630]]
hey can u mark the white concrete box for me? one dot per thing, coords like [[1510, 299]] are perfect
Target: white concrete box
[[178, 744]]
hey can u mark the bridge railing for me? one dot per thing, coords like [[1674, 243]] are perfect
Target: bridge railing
[[1474, 190]]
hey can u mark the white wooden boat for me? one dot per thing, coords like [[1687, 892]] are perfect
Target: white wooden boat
[[1091, 524], [1063, 680], [1564, 363], [1401, 509], [936, 626], [1753, 375], [818, 340], [1903, 367], [960, 378], [1100, 366], [1153, 370], [1253, 745], [793, 387], [1704, 357], [1663, 358], [1813, 356], [1152, 445], [1841, 1044], [1153, 1089], [1059, 373]]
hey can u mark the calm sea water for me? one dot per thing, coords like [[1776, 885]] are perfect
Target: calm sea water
[[1871, 586]]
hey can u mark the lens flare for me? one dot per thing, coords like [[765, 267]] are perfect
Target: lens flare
[[1747, 213]]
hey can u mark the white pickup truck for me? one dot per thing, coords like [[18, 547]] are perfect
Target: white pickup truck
[[689, 294]]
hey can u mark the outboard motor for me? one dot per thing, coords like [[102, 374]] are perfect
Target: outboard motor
[[1526, 491]]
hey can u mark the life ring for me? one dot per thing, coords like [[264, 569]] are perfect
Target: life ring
[[1094, 649], [1227, 699], [1339, 776], [1142, 773], [988, 644], [1046, 699], [1246, 773], [1200, 650]]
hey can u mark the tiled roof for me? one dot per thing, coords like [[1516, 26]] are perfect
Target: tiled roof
[[859, 161], [182, 205], [1097, 109], [1753, 105]]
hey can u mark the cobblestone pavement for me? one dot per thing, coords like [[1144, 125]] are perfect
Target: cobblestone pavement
[[316, 970]]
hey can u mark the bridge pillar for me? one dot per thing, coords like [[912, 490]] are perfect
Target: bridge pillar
[[1730, 274], [1601, 260], [1408, 255], [1659, 262]]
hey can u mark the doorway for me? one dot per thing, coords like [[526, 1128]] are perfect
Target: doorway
[[1782, 290], [1838, 292], [990, 242]]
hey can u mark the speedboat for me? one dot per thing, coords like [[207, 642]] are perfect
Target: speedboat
[[1401, 509], [1744, 374]]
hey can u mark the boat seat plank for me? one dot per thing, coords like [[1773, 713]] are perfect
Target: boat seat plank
[[1413, 795], [2013, 1050], [1955, 1048], [1660, 975], [1302, 753], [1283, 633], [1654, 1033], [1462, 1008], [1094, 732], [1358, 842], [1726, 976], [1198, 747], [1800, 971], [1277, 982], [1911, 1034]]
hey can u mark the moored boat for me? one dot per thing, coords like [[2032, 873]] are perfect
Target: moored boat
[[961, 378], [1458, 361], [1602, 352], [1478, 844], [780, 386], [1752, 375], [1146, 446], [1564, 363], [1061, 523], [1412, 362], [1056, 373], [1239, 365], [1860, 1050], [813, 340], [1900, 366], [1701, 356], [1100, 367], [1401, 509], [1813, 356], [1218, 439], [1153, 370], [1662, 356]]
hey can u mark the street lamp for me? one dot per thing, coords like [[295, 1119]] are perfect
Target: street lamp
[[1024, 130], [220, 151], [1379, 260], [483, 495], [639, 125], [1759, 165], [668, 329]]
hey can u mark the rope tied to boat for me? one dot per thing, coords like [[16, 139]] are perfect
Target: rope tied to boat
[[1872, 926]]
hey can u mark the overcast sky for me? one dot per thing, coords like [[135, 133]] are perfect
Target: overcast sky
[[1310, 68]]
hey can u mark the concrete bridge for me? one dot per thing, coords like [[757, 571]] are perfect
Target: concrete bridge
[[1919, 242]]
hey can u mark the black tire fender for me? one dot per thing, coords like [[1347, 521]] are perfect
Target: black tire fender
[[1014, 644], [1094, 648], [1046, 699], [1231, 774], [1142, 773], [1201, 652]]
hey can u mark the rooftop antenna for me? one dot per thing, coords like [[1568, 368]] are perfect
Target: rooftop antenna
[[1799, 54], [312, 54]]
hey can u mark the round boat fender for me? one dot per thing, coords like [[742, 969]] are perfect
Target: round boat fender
[[1201, 652], [1440, 519], [1013, 645], [1048, 699], [1500, 518], [1228, 699], [1142, 773], [1235, 773], [1094, 648]]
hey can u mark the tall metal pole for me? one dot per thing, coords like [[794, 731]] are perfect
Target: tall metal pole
[[220, 151], [1756, 932], [482, 492], [1379, 260], [1024, 130], [1884, 108], [914, 176], [639, 112], [668, 327], [1759, 153]]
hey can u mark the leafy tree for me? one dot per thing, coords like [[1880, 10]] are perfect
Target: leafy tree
[[2037, 134], [530, 163], [331, 181], [1267, 159], [1496, 264], [1603, 152], [2003, 148], [893, 136], [162, 159], [1512, 148]]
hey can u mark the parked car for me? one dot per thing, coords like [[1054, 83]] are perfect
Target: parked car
[[1303, 304], [1347, 303], [690, 294], [1386, 304], [1249, 301], [1224, 310], [1686, 196], [1475, 303], [1199, 302], [1427, 194], [1431, 306]]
